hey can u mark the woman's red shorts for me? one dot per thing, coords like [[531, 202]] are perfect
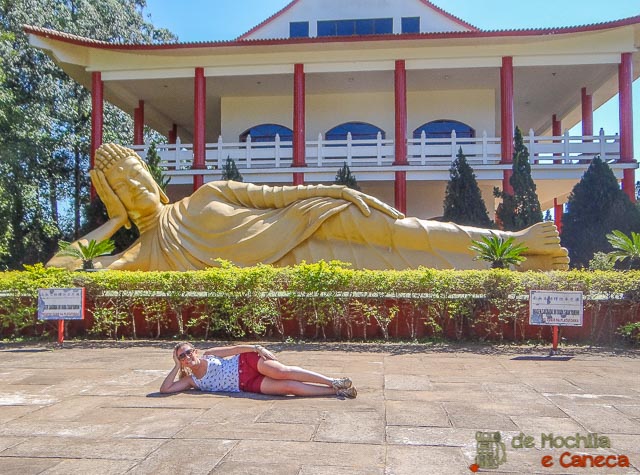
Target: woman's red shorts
[[249, 378]]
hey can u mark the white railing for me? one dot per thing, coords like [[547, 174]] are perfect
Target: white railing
[[379, 152]]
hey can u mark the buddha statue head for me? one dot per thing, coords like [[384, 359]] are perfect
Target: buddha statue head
[[129, 178]]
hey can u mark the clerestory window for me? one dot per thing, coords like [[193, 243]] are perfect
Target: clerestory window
[[371, 26], [299, 29], [411, 24]]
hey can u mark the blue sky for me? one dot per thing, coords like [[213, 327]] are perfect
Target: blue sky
[[210, 20]]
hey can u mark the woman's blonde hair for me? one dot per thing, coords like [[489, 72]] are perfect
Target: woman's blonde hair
[[183, 371]]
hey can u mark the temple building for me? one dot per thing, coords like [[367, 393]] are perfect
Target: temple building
[[394, 88]]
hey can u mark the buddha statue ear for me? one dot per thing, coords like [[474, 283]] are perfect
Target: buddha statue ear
[[164, 199]]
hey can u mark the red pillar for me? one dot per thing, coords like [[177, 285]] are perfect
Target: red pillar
[[401, 112], [138, 124], [506, 118], [556, 131], [299, 144], [587, 112], [200, 91], [400, 85], [625, 80], [97, 119], [558, 210], [172, 136]]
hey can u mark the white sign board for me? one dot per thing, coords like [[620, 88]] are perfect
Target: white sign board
[[563, 309], [61, 304]]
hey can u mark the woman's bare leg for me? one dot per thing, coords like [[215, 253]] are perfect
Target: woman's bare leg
[[284, 387], [275, 370]]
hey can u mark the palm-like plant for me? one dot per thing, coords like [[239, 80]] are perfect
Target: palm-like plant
[[87, 253], [625, 247], [498, 251]]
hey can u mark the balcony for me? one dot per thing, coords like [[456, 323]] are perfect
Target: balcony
[[373, 159]]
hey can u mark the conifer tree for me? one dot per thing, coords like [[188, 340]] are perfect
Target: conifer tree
[[153, 161], [522, 209], [595, 208], [463, 203], [344, 177], [230, 171]]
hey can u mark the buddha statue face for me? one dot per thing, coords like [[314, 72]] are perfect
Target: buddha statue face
[[135, 187], [129, 178]]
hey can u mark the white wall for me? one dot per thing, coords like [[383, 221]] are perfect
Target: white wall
[[314, 10], [473, 107], [240, 113], [324, 111]]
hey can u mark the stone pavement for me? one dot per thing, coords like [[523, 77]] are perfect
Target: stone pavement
[[92, 407]]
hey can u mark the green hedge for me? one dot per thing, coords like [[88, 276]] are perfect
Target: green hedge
[[239, 302]]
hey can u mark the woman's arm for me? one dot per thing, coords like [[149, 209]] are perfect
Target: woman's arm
[[225, 351], [170, 385]]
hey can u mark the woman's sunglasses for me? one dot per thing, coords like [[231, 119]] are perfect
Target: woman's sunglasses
[[186, 353]]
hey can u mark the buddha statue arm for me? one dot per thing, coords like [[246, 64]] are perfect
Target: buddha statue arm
[[263, 196], [117, 218]]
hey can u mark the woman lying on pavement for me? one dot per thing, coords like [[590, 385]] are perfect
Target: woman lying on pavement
[[247, 368]]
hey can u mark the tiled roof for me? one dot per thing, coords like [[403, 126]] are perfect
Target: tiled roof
[[79, 40]]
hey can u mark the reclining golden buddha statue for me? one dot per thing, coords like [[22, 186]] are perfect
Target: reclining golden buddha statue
[[249, 224]]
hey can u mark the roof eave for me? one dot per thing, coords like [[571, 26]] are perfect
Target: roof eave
[[478, 34]]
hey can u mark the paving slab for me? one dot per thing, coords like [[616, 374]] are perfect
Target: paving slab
[[94, 407]]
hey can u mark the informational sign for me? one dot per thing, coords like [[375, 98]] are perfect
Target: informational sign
[[61, 304], [555, 308]]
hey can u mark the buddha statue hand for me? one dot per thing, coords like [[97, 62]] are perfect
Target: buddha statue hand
[[115, 209], [364, 202]]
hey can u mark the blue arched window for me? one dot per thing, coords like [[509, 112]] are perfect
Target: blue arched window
[[267, 133], [438, 129], [359, 131]]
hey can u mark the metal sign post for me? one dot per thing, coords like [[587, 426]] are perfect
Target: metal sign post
[[556, 309], [61, 305]]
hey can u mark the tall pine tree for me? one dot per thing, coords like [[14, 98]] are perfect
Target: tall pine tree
[[596, 206], [463, 203], [522, 209], [346, 178]]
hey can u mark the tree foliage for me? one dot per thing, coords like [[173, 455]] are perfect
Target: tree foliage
[[625, 247], [86, 253], [157, 172], [596, 207], [522, 208], [463, 203], [45, 120], [346, 178], [230, 171]]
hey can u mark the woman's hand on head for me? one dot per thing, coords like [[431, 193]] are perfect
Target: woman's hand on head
[[175, 357], [115, 208]]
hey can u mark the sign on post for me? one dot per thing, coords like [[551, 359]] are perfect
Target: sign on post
[[61, 305], [555, 308]]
